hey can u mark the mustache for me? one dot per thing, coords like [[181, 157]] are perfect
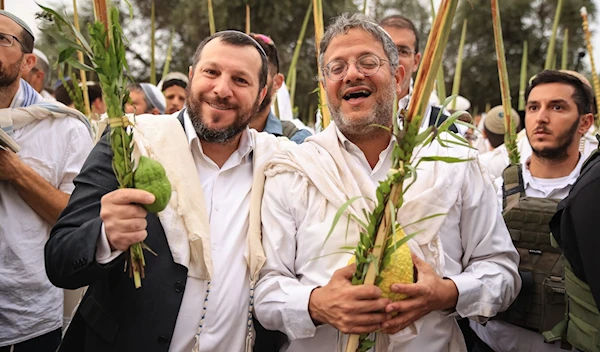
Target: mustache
[[352, 85], [221, 102], [542, 129]]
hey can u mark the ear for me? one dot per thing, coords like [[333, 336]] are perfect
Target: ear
[[190, 73], [417, 62], [262, 94], [28, 63], [399, 74], [585, 123], [278, 82]]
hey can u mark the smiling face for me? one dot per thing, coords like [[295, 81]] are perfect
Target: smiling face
[[552, 121], [223, 94], [358, 101]]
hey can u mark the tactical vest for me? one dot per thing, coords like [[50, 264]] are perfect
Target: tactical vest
[[289, 129], [541, 303]]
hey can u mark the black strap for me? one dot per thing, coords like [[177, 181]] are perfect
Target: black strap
[[433, 118]]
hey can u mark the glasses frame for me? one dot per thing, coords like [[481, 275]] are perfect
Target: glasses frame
[[13, 41], [327, 69]]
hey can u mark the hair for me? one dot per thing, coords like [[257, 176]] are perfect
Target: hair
[[173, 82], [26, 42], [138, 87], [583, 96], [401, 22], [41, 65], [94, 92], [236, 38], [61, 94], [345, 22], [270, 50], [495, 139]]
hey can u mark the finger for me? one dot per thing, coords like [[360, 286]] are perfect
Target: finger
[[129, 225], [130, 211], [421, 266], [369, 306], [345, 272], [400, 322], [123, 241], [404, 305], [411, 290], [365, 292], [129, 196]]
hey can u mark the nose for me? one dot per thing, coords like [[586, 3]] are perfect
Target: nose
[[543, 115], [353, 73], [222, 87]]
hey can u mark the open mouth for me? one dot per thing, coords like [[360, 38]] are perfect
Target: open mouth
[[219, 107], [357, 95]]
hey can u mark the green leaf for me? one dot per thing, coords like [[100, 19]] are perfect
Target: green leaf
[[66, 54], [425, 218], [338, 215], [446, 159], [78, 65]]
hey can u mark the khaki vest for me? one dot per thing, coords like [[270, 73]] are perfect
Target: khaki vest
[[541, 302]]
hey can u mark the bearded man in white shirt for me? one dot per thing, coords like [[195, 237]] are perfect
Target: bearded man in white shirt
[[197, 292], [557, 115], [35, 184], [469, 266]]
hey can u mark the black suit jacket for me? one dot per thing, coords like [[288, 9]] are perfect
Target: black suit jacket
[[113, 315]]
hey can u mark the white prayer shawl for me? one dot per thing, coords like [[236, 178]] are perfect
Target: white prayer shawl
[[324, 163], [15, 118], [185, 220]]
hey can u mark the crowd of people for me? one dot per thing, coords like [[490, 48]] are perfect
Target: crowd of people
[[243, 260]]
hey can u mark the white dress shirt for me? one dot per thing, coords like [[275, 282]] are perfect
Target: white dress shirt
[[502, 336], [30, 306], [479, 256], [227, 197]]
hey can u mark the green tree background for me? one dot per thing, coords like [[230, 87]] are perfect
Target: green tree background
[[529, 20]]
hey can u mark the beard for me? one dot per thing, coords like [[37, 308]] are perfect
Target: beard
[[560, 151], [9, 74], [364, 126], [266, 103], [217, 135]]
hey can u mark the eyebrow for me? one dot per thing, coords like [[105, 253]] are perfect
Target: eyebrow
[[362, 53], [236, 72]]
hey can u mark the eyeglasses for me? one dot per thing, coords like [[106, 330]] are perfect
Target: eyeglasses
[[404, 51], [368, 65], [9, 40]]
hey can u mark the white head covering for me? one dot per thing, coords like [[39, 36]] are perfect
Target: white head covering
[[155, 96], [41, 56]]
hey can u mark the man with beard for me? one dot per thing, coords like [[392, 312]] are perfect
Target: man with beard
[[197, 291], [173, 86], [35, 184], [265, 120], [145, 98], [558, 113], [466, 266]]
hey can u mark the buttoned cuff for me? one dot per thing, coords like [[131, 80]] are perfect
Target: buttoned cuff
[[104, 255], [469, 303], [297, 320]]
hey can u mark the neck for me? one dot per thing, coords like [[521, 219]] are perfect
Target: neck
[[7, 94], [220, 152], [547, 168], [372, 144], [260, 120]]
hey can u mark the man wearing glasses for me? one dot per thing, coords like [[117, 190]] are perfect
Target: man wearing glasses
[[35, 184], [404, 34], [305, 291]]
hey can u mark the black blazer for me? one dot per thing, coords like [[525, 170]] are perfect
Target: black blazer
[[113, 315]]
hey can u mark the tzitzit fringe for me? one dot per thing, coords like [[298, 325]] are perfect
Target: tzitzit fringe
[[197, 344]]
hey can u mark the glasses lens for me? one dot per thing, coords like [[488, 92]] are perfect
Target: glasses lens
[[368, 64], [5, 40], [336, 69]]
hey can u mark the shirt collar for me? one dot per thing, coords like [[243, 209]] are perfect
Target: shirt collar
[[273, 125], [528, 179], [245, 147], [356, 151]]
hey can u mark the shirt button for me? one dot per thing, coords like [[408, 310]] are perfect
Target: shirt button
[[178, 287]]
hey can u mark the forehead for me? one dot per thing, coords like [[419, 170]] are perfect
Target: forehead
[[228, 56], [354, 43], [174, 89], [402, 36], [137, 94], [9, 26], [552, 91]]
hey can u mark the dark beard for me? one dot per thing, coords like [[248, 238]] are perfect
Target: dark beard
[[266, 103], [559, 152], [221, 135], [8, 75]]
